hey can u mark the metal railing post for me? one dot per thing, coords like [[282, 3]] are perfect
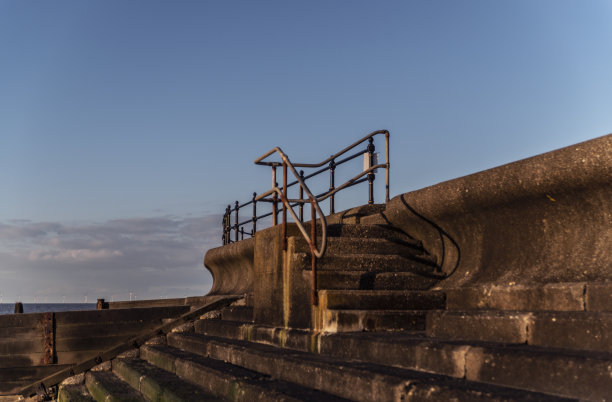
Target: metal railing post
[[332, 169], [254, 229], [388, 167], [228, 224], [371, 176], [274, 198], [301, 197], [236, 228]]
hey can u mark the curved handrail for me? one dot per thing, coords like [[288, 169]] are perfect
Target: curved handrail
[[259, 160], [272, 195], [312, 199]]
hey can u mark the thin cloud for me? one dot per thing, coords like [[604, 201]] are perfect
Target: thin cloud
[[153, 257]]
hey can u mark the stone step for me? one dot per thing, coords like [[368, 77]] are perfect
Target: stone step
[[368, 231], [372, 320], [562, 296], [237, 313], [366, 280], [352, 380], [375, 219], [354, 245], [226, 380], [380, 300], [568, 330], [565, 373], [224, 328], [74, 393], [106, 386], [369, 262], [561, 372], [157, 384]]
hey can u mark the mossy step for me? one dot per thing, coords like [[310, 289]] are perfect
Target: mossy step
[[157, 384], [229, 381], [74, 393], [105, 386]]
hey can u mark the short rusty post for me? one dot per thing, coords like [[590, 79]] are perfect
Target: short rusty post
[[371, 176], [332, 169], [48, 326], [101, 305], [18, 308], [301, 197]]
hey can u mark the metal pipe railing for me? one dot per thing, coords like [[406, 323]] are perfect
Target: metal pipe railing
[[331, 163]]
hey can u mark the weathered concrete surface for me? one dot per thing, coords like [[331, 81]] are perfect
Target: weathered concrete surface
[[539, 220], [281, 286], [231, 267]]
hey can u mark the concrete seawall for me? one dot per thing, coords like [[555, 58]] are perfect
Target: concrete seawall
[[539, 220], [544, 219]]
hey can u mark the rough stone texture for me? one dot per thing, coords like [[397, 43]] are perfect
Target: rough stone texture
[[563, 374], [599, 297], [491, 326], [540, 220], [364, 320], [582, 331], [281, 294], [554, 297]]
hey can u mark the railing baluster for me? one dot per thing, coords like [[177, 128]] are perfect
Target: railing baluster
[[332, 169], [254, 229], [301, 197], [388, 173], [371, 176], [236, 233]]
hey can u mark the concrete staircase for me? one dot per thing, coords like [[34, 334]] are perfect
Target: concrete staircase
[[373, 277], [225, 356]]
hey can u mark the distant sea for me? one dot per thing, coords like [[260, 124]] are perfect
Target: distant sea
[[9, 308]]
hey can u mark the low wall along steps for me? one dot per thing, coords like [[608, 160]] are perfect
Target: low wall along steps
[[494, 286]]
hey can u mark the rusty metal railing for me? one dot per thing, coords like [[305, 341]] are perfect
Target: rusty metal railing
[[279, 194]]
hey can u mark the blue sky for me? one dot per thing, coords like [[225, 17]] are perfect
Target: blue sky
[[126, 127]]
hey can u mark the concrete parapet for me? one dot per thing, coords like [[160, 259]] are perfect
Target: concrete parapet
[[544, 219], [231, 267]]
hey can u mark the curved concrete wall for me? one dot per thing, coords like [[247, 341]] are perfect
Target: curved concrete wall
[[539, 220], [231, 267]]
